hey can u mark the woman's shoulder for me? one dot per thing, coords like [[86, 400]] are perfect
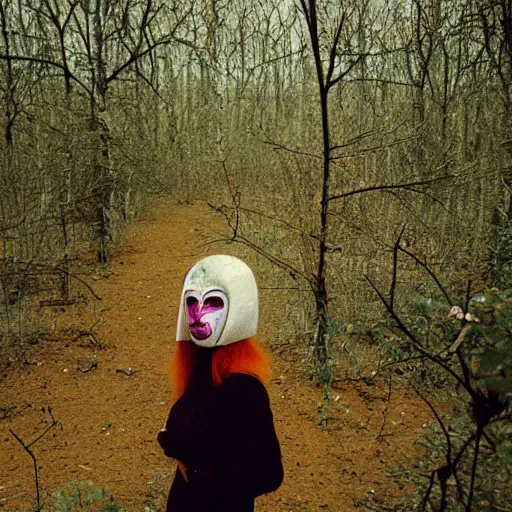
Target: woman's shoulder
[[247, 389], [244, 381]]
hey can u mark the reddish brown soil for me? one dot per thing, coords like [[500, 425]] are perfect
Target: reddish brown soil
[[108, 420]]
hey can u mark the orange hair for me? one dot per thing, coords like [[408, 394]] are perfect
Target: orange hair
[[182, 364], [245, 356]]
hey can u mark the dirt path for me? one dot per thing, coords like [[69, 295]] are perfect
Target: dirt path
[[108, 419]]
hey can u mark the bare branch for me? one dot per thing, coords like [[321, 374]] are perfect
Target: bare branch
[[278, 146], [334, 47], [47, 62], [293, 271], [395, 265], [27, 447], [415, 342], [430, 273], [405, 186]]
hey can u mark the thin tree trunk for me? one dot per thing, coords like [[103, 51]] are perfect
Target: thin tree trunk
[[321, 340], [102, 169]]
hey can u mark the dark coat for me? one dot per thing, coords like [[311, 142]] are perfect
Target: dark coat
[[225, 437]]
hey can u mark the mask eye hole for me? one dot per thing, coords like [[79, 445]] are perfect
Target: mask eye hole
[[191, 301], [214, 303]]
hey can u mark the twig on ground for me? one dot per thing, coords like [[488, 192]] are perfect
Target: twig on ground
[[129, 371], [386, 408], [27, 447]]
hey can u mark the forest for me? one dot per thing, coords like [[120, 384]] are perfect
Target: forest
[[359, 151]]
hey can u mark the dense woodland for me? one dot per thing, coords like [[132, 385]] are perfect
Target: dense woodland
[[363, 148]]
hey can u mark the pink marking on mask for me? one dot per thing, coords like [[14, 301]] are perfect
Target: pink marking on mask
[[195, 313]]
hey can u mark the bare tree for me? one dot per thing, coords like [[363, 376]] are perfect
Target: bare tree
[[496, 25], [99, 42]]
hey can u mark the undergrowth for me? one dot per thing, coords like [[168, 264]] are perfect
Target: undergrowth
[[80, 496], [467, 462]]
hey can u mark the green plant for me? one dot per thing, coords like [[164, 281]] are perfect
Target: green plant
[[468, 453], [82, 495]]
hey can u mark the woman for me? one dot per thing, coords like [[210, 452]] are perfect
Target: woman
[[220, 428]]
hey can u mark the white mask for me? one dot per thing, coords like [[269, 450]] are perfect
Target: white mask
[[219, 302]]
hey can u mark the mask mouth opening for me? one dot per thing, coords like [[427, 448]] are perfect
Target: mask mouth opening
[[200, 331]]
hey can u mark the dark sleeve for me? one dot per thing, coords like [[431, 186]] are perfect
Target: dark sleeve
[[165, 441], [257, 468]]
